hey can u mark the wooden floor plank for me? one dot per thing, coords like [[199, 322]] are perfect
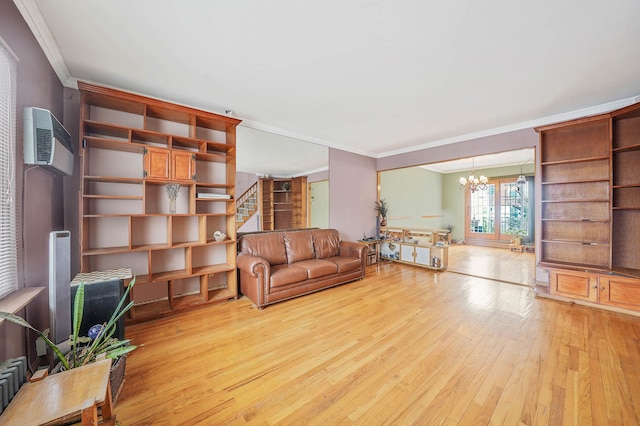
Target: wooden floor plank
[[405, 345]]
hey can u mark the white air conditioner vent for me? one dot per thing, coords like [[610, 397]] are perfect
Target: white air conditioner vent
[[46, 142]]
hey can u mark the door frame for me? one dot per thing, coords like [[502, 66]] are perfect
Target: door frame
[[497, 238]]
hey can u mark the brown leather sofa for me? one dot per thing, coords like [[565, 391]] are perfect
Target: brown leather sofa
[[281, 265]]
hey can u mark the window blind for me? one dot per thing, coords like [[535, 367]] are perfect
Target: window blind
[[8, 225]]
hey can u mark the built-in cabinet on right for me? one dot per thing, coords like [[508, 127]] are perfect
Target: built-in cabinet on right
[[626, 191], [590, 208]]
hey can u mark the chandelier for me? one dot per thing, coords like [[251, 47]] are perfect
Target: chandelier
[[472, 182]]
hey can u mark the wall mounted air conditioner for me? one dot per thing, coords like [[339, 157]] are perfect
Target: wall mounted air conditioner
[[46, 142]]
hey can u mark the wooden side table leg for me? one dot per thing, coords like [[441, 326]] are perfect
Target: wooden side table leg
[[107, 407], [90, 416]]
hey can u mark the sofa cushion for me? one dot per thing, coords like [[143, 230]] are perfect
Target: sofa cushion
[[299, 246], [269, 246], [326, 243], [345, 264], [285, 274], [317, 267]]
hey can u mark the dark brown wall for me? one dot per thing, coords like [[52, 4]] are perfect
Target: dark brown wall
[[39, 192]]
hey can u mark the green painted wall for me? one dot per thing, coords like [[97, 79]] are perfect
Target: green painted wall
[[412, 192]]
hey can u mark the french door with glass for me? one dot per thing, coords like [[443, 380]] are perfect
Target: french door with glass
[[497, 213]]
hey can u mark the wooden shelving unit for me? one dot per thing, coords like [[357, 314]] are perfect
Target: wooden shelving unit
[[626, 191], [132, 147], [590, 207], [425, 247], [575, 193], [283, 203]]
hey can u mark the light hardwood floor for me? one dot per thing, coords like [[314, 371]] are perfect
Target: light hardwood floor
[[494, 263], [403, 346]]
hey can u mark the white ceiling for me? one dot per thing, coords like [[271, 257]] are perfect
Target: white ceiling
[[371, 77]]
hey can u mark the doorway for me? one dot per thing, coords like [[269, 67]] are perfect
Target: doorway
[[319, 204], [430, 196]]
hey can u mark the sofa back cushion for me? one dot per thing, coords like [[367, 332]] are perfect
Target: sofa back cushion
[[299, 245], [326, 243], [270, 246]]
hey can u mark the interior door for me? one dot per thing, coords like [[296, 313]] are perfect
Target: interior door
[[480, 214], [319, 204]]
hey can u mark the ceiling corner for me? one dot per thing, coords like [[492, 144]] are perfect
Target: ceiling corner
[[32, 16]]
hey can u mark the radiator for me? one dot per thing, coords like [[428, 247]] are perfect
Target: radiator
[[13, 374]]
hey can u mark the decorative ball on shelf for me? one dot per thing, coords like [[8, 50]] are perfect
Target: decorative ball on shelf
[[94, 331], [219, 236]]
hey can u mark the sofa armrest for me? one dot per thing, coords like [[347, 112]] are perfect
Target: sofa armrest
[[255, 273], [253, 265], [353, 249]]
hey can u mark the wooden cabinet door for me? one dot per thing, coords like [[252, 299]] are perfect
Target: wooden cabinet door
[[619, 291], [164, 164], [579, 285], [183, 166], [156, 164]]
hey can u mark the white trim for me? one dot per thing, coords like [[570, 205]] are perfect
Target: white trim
[[310, 172], [282, 132], [558, 118], [33, 17]]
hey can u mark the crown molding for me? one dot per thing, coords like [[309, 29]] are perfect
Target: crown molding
[[310, 172], [32, 16], [283, 132], [558, 118]]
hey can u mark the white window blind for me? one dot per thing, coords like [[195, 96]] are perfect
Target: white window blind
[[8, 226]]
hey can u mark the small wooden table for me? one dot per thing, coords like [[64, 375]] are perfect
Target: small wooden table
[[61, 397]]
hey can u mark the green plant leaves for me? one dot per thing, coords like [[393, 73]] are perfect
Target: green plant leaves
[[81, 353]]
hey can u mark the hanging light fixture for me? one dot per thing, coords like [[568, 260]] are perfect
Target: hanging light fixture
[[472, 182], [521, 179]]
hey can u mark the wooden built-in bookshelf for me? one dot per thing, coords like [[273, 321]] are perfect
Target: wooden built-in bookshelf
[[590, 207], [132, 146]]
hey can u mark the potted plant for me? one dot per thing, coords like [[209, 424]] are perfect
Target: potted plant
[[382, 208], [85, 349], [517, 236]]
